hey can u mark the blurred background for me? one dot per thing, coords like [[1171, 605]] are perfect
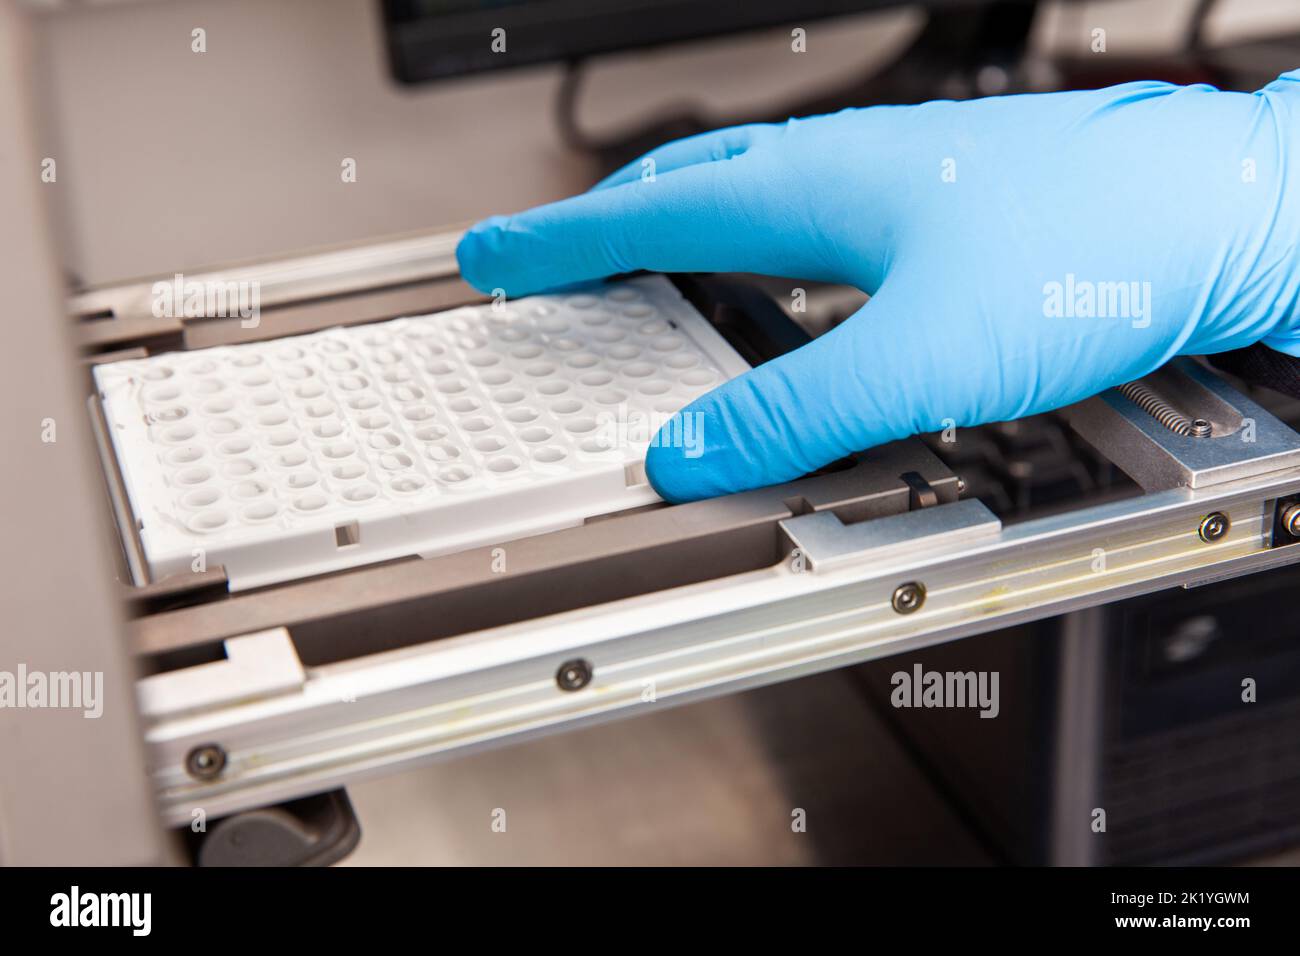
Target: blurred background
[[172, 160]]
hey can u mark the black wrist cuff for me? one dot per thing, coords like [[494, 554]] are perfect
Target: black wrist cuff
[[1261, 365]]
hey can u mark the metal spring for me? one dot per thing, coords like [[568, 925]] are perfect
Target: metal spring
[[1150, 402]]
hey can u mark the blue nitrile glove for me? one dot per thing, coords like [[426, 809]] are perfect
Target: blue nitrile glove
[[1022, 253]]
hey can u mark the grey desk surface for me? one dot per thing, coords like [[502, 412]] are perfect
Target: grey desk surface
[[713, 783]]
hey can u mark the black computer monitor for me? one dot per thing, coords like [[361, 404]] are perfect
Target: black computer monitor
[[435, 39]]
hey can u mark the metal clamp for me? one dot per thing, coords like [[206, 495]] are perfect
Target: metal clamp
[[1244, 440]]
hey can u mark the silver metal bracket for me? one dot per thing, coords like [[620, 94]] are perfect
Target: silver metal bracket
[[256, 666], [1244, 440], [825, 540]]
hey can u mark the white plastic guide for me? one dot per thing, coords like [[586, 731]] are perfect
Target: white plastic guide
[[423, 435]]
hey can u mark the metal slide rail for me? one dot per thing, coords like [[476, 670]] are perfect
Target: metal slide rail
[[830, 604]]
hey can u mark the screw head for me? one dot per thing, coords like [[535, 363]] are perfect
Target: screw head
[[908, 597], [1291, 520], [1214, 526], [205, 762], [574, 674]]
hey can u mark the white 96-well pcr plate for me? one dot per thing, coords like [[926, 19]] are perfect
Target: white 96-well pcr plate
[[422, 435]]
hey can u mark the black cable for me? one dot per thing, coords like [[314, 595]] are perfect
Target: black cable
[[1196, 24], [566, 110], [624, 145]]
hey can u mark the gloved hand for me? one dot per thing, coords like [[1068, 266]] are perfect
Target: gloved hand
[[1021, 253]]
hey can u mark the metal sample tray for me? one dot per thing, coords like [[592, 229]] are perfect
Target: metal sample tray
[[292, 457]]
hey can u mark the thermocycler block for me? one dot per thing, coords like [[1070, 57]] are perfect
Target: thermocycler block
[[417, 436]]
